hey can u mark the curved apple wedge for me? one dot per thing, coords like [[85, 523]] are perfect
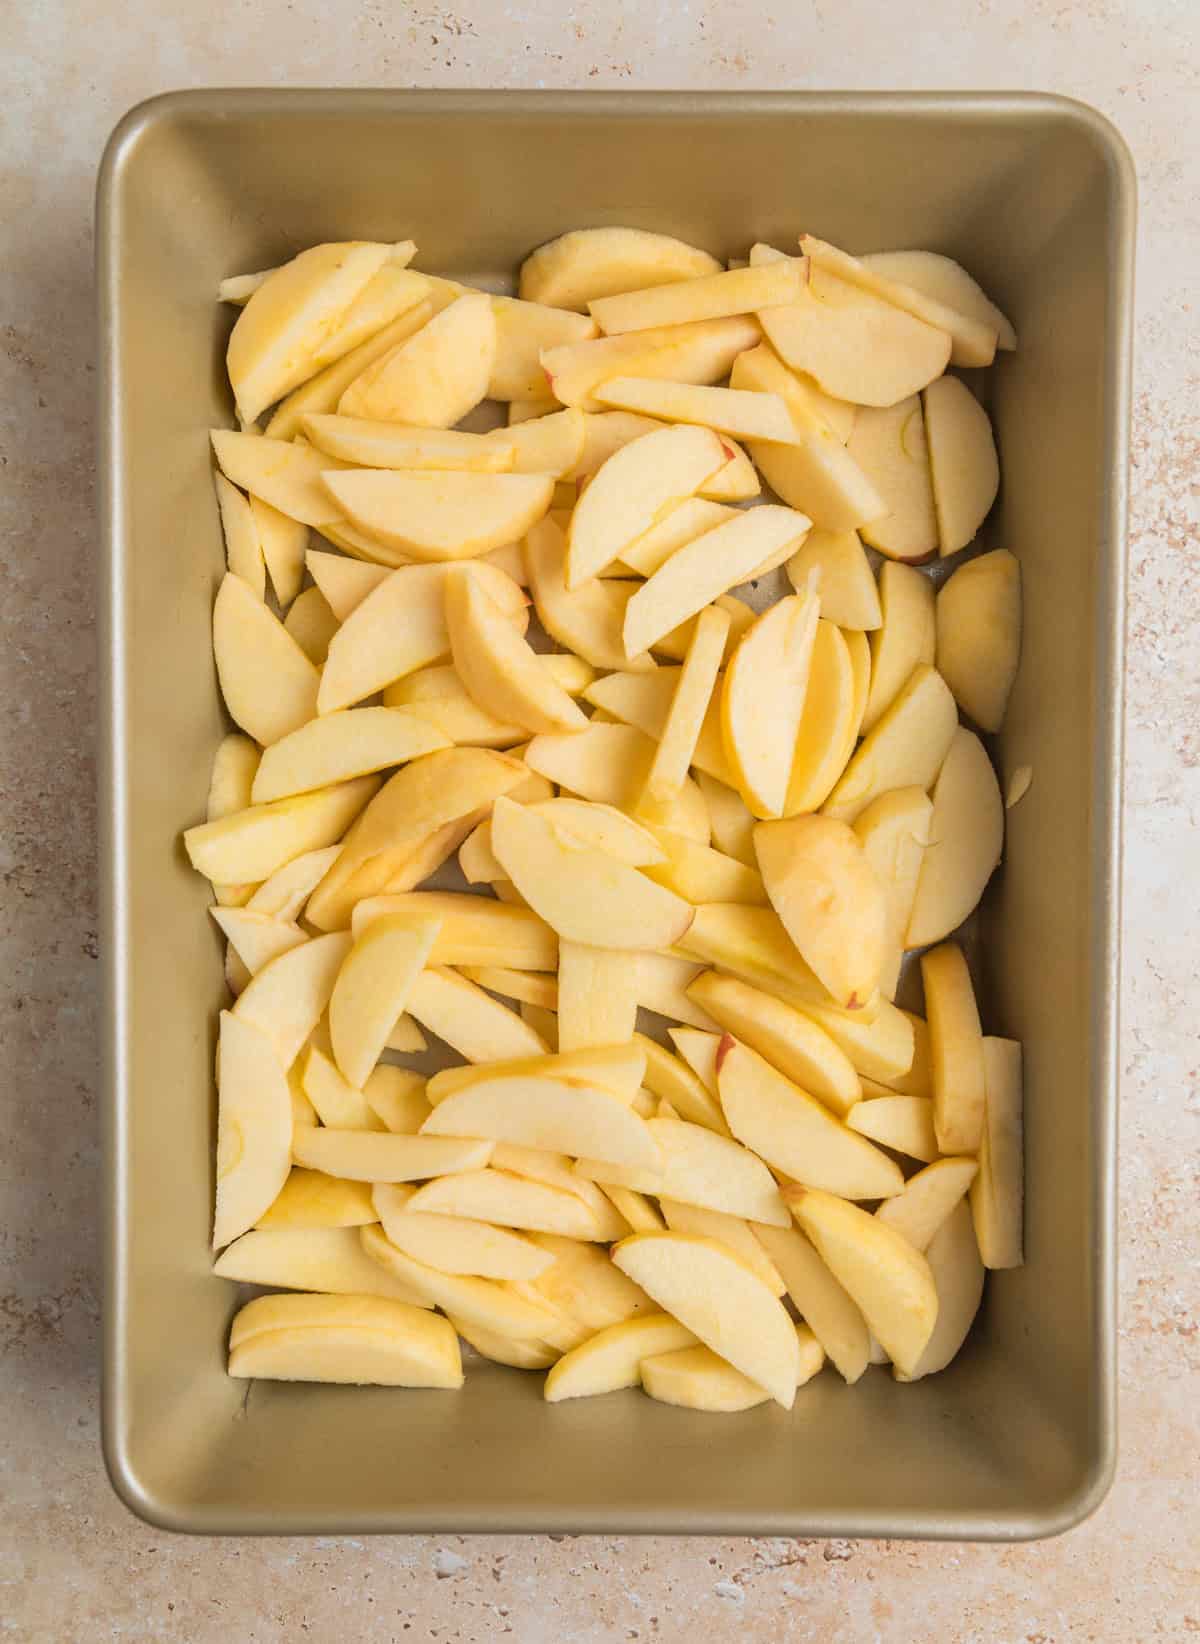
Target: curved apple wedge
[[588, 619], [717, 1297], [878, 1267], [506, 1200], [483, 1302], [372, 989], [821, 1301], [795, 1133], [428, 515], [251, 846], [979, 634], [269, 685], [958, 1273], [905, 749], [762, 702], [254, 1128], [696, 1378], [329, 1259], [362, 1340], [903, 1123], [602, 262], [559, 1112], [288, 996], [435, 377], [963, 461], [381, 1156], [502, 673], [927, 1199], [583, 894], [715, 1172], [340, 746], [966, 837], [611, 1359]]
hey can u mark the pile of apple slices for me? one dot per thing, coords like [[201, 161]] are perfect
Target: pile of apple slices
[[735, 813]]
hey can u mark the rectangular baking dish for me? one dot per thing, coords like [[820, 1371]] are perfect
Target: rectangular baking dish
[[1035, 195]]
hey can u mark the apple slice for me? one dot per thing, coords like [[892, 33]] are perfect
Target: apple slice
[[888, 1279], [761, 369], [731, 1231], [644, 700], [312, 624], [700, 874], [956, 1049], [283, 542], [918, 1079], [611, 1359], [588, 620], [905, 748], [340, 746], [230, 785], [498, 1197], [455, 1244], [828, 724], [273, 343], [752, 943], [604, 828], [394, 290], [889, 445], [600, 262], [788, 1040], [469, 1020], [608, 764], [979, 635], [681, 525], [248, 846], [715, 1172], [604, 434], [474, 930], [695, 1378], [618, 1069], [336, 1102], [480, 1302], [257, 938], [381, 1156], [894, 831], [762, 702], [708, 297], [699, 1050], [700, 352], [584, 895], [997, 1193], [927, 1199], [438, 697], [675, 1082], [553, 443], [344, 582], [397, 1096], [243, 549], [519, 1355], [714, 1295], [829, 899], [283, 894], [746, 414], [269, 685], [373, 987], [287, 998], [584, 1284], [963, 461], [254, 1128], [737, 481], [437, 376], [406, 1037], [662, 983], [795, 1133], [524, 331], [563, 1113], [309, 1198], [817, 475], [501, 672], [903, 1123], [706, 567], [285, 475], [844, 582], [321, 393], [632, 491], [828, 1310], [880, 1048], [597, 996], [423, 798], [741, 616], [439, 516], [329, 1259], [349, 1339], [944, 281], [966, 833], [958, 1274], [686, 715], [638, 1211], [373, 444]]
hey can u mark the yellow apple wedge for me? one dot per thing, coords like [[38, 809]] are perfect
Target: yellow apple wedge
[[682, 524], [632, 491], [505, 1200], [398, 627], [269, 685], [339, 746], [468, 1019], [600, 262], [894, 831], [611, 1359], [432, 516], [550, 444], [455, 1244], [597, 996], [329, 1259], [604, 434], [707, 566], [708, 297], [501, 672], [395, 289], [588, 620], [696, 1378], [744, 413], [312, 624], [795, 1133], [364, 1341], [880, 1042], [966, 837], [526, 986], [501, 1349], [700, 874], [277, 334], [844, 584], [436, 376], [904, 749], [685, 717], [699, 1050], [397, 1097], [826, 1308], [474, 929], [243, 549], [732, 1231], [962, 459], [321, 393], [283, 542], [285, 475], [979, 635], [287, 998], [483, 1302], [782, 1036], [637, 1210], [406, 1037], [373, 987], [825, 738], [662, 983], [762, 701], [438, 697], [248, 846], [560, 1112], [958, 1275], [903, 1123], [608, 764], [715, 1172], [344, 582], [254, 1128], [956, 1050], [675, 1082], [257, 938], [944, 281], [230, 785], [701, 351], [382, 1156], [751, 943], [715, 1296], [584, 895], [336, 1102], [928, 1198], [737, 481], [997, 1193], [604, 827], [283, 894], [644, 700], [905, 638], [888, 1279], [889, 445], [372, 444], [829, 899], [309, 1198], [762, 370]]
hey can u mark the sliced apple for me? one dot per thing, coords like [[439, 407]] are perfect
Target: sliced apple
[[905, 748], [397, 1096], [454, 1244], [605, 828], [335, 1100], [248, 846], [945, 281], [611, 1359], [321, 393], [762, 702], [285, 475], [966, 834], [803, 1052], [741, 616], [617, 1069], [956, 1050], [696, 1378], [888, 1279], [474, 1301], [283, 542], [761, 369], [752, 943], [373, 988], [644, 700], [524, 331], [825, 1306], [737, 481], [979, 635], [700, 352], [599, 262], [844, 582], [257, 938], [700, 874], [436, 376], [997, 1193], [501, 1349], [328, 1259], [501, 672], [958, 1274], [406, 1037], [243, 549], [498, 1197], [746, 414], [450, 712], [706, 567], [638, 1212], [731, 1231], [584, 1284], [608, 764], [384, 1343], [894, 831], [903, 1123], [309, 1198], [825, 737], [714, 1295], [283, 894], [685, 718], [963, 461], [702, 1168], [699, 1050], [731, 824], [469, 1020], [553, 443], [675, 1082], [597, 996], [254, 1128], [344, 582], [340, 746], [882, 1047], [681, 525], [371, 444], [382, 1156], [563, 1113], [287, 998], [439, 516], [708, 297], [394, 290], [588, 620], [269, 685], [474, 930], [889, 445], [927, 1199]]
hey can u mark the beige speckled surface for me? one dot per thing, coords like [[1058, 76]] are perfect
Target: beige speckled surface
[[73, 1563]]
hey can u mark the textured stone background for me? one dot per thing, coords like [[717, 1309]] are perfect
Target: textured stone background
[[73, 1563]]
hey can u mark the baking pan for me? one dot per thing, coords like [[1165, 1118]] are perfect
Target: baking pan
[[1035, 195]]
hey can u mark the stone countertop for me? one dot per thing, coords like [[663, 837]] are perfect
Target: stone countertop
[[73, 1563]]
